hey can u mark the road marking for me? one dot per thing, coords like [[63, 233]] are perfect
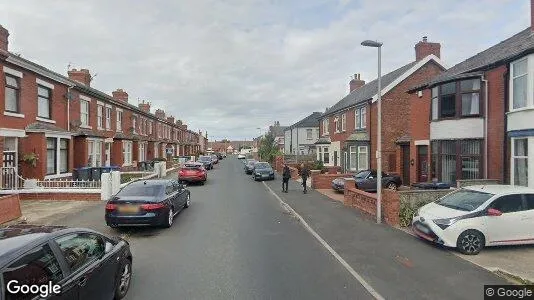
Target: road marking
[[355, 274]]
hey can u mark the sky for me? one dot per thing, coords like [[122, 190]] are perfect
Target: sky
[[229, 67]]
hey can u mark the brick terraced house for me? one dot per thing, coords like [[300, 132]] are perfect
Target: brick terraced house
[[348, 133], [51, 124]]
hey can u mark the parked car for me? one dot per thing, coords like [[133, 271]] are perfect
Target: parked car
[[215, 159], [193, 172], [148, 202], [366, 181], [207, 161], [249, 166], [241, 156], [219, 155], [338, 184], [475, 217], [262, 170], [84, 263]]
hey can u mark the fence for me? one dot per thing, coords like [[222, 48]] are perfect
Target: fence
[[9, 179], [62, 184]]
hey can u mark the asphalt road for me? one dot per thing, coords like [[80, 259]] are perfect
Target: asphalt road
[[234, 242]]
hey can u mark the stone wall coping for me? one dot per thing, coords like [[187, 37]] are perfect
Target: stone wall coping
[[358, 191], [56, 191]]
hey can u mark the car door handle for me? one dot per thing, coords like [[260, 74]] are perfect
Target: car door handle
[[82, 281]]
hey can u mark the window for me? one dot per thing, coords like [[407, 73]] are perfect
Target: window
[[470, 159], [336, 124], [84, 112], [325, 127], [90, 153], [63, 155], [134, 124], [520, 161], [452, 160], [43, 102], [149, 127], [81, 249], [309, 134], [94, 153], [470, 97], [353, 158], [519, 83], [363, 158], [108, 118], [508, 203], [360, 118], [529, 198], [119, 120], [127, 152], [99, 116], [37, 267], [12, 94], [142, 151], [98, 154], [326, 155], [343, 121], [435, 103], [156, 152], [448, 100], [51, 156]]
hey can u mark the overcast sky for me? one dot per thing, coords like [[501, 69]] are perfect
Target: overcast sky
[[231, 66]]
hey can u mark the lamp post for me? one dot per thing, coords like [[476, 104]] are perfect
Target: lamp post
[[375, 44]]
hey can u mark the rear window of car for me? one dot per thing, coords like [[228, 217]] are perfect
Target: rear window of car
[[464, 199], [262, 166], [141, 190], [204, 158], [192, 167]]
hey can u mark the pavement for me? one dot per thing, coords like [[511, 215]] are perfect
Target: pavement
[[330, 193]]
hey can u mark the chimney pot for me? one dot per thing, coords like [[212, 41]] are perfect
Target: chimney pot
[[424, 48], [82, 76], [425, 38], [120, 95], [356, 83]]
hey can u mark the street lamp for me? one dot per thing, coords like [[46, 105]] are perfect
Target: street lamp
[[376, 44]]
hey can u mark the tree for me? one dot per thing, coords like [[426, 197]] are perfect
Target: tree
[[267, 149]]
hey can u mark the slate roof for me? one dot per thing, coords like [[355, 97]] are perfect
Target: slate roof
[[44, 127], [310, 121], [367, 91], [323, 140], [514, 47]]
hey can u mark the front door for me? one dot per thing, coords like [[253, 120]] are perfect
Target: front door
[[108, 154], [405, 150], [422, 163]]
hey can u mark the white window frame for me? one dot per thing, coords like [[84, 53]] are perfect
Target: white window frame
[[363, 117], [100, 116], [85, 115], [134, 123], [343, 122], [360, 115], [94, 150], [309, 133], [108, 111], [118, 121], [361, 151], [142, 151], [58, 139], [529, 157], [127, 147], [529, 87], [325, 127], [336, 124], [353, 150], [150, 127], [156, 151]]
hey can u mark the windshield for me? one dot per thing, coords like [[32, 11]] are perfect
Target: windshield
[[466, 200], [262, 166], [141, 190], [192, 167], [204, 158], [362, 174]]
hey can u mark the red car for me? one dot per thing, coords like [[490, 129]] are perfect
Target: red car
[[193, 172]]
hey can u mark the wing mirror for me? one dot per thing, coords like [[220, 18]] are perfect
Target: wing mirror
[[109, 246], [494, 212]]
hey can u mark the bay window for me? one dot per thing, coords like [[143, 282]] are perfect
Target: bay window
[[435, 103], [448, 100], [470, 97], [127, 152], [519, 83], [363, 158], [520, 161], [456, 159], [51, 156], [57, 156], [94, 153], [456, 99], [325, 158], [63, 155]]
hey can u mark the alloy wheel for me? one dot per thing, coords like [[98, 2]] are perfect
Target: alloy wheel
[[470, 243], [392, 186], [171, 217], [188, 202], [126, 276]]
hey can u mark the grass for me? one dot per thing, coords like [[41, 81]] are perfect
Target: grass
[[129, 177], [513, 278]]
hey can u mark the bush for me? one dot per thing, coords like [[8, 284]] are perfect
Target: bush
[[159, 159], [128, 177], [407, 211]]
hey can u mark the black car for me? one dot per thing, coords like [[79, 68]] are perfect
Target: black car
[[249, 166], [366, 180], [207, 161], [262, 170], [149, 202], [219, 155], [72, 263]]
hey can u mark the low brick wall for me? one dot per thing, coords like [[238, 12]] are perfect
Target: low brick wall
[[324, 181], [366, 202], [333, 170], [415, 197], [9, 208], [60, 196], [468, 182]]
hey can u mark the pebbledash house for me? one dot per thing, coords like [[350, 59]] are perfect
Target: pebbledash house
[[51, 124], [348, 132]]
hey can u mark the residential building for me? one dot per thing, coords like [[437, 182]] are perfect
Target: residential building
[[300, 137], [348, 129], [277, 131], [482, 111], [51, 124]]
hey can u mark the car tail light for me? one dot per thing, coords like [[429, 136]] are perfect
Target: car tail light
[[111, 206], [152, 206]]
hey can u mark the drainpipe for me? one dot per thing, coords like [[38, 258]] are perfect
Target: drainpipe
[[486, 109], [68, 107]]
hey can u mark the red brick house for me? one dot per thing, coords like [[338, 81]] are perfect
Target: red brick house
[[482, 111], [348, 131], [50, 123]]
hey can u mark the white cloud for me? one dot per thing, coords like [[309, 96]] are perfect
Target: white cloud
[[231, 66]]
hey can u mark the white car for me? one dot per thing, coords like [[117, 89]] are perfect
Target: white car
[[475, 217], [241, 156]]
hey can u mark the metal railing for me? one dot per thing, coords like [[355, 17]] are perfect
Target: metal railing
[[10, 179], [64, 184]]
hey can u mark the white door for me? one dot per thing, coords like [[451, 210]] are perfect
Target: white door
[[108, 154], [510, 227]]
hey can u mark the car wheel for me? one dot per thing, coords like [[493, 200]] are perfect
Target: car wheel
[[170, 218], [391, 186], [470, 242], [203, 182], [188, 201], [123, 284]]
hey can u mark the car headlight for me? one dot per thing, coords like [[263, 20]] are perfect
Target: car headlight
[[257, 174], [444, 223]]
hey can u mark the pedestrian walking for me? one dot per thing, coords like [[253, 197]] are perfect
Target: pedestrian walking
[[286, 174], [304, 174]]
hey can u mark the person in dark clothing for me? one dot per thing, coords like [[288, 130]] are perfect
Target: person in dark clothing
[[304, 173], [286, 174]]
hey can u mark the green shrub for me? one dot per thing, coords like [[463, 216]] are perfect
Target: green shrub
[[159, 159], [128, 177], [407, 211]]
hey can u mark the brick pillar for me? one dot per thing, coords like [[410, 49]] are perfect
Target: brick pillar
[[117, 156], [1, 150]]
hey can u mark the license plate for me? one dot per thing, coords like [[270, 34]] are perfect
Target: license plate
[[265, 175], [129, 209], [422, 228]]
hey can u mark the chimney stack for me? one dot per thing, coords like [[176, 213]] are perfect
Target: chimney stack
[[170, 119], [4, 35], [425, 48], [356, 83], [160, 114], [82, 76], [144, 106], [120, 95], [179, 123]]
